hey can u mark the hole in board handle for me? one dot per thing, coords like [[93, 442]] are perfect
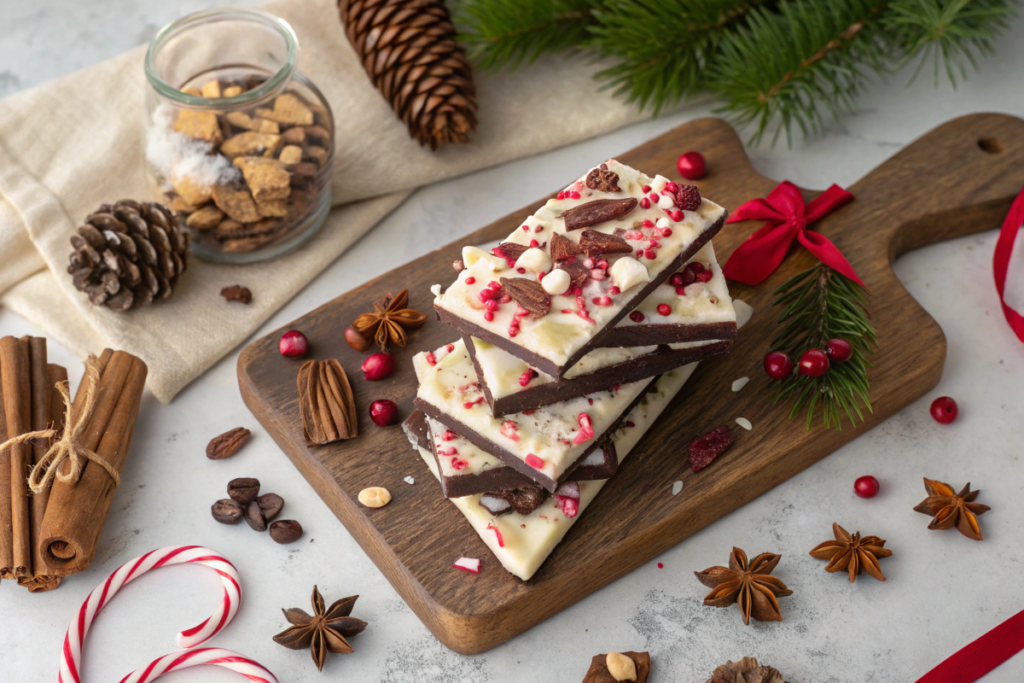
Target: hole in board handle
[[991, 146]]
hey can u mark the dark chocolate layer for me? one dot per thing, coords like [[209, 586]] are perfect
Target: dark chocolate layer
[[535, 360], [563, 389], [652, 335]]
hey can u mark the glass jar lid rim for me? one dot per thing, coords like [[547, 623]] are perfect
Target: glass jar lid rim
[[269, 86]]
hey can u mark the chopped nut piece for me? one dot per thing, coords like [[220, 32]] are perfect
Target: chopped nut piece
[[240, 119], [318, 135], [602, 668], [205, 218], [272, 208], [201, 125], [194, 92], [236, 202], [227, 444], [176, 203], [288, 109], [267, 178], [211, 88], [374, 497], [292, 154], [317, 154], [250, 143], [621, 667], [294, 136], [268, 126], [233, 91], [228, 227], [237, 293], [192, 192]]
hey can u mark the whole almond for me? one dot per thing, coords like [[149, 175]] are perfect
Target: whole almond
[[227, 444], [374, 497]]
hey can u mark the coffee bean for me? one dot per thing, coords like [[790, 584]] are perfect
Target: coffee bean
[[270, 504], [244, 489], [254, 516], [286, 531], [227, 511]]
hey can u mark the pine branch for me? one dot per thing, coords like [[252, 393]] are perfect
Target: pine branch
[[820, 304], [513, 32], [659, 67]]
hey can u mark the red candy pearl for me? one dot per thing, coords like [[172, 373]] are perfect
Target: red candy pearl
[[293, 344], [944, 410], [691, 166], [866, 487], [664, 309], [778, 365], [814, 363], [383, 412], [378, 366], [839, 350]]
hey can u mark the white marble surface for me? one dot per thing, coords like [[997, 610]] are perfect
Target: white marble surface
[[943, 590]]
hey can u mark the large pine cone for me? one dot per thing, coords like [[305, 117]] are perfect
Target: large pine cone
[[408, 48], [128, 254]]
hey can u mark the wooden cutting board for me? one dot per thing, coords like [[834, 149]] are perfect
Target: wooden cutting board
[[956, 180]]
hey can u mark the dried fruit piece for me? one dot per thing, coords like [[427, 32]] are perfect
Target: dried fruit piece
[[562, 248], [595, 243], [237, 293], [602, 179], [375, 497], [326, 403], [529, 294], [704, 449], [227, 444], [597, 211], [688, 197]]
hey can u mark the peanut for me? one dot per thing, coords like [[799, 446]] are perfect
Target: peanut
[[620, 667], [378, 497]]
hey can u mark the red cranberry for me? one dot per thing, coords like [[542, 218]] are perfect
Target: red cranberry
[[378, 366], [676, 280], [814, 363], [636, 316], [778, 365], [839, 350], [293, 344], [866, 487], [664, 309], [691, 165], [383, 412], [944, 410]]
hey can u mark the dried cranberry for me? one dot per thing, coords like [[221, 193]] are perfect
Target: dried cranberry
[[688, 198], [704, 449]]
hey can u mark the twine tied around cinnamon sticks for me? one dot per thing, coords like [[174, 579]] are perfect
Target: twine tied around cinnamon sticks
[[67, 447]]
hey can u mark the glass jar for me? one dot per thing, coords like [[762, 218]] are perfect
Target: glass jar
[[236, 140]]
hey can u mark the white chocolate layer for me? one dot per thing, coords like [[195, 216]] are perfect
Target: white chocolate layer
[[568, 327], [546, 433], [456, 455]]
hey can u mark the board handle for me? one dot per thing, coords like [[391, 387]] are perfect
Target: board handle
[[956, 180]]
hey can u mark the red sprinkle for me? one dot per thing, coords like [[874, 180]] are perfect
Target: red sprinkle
[[501, 541], [526, 228], [636, 316], [602, 301], [521, 271], [666, 232], [531, 411], [533, 244], [681, 290], [661, 566], [645, 189], [650, 254], [630, 423], [449, 347], [671, 187], [534, 462], [613, 290], [470, 280], [488, 316], [648, 223], [560, 195], [664, 309], [491, 305], [508, 430], [431, 358], [645, 203], [526, 377], [676, 280], [448, 435], [676, 215]]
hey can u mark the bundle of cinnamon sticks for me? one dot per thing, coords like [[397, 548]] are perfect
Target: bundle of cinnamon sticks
[[52, 532]]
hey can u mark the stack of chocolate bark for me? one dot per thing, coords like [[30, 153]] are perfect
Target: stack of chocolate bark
[[571, 337]]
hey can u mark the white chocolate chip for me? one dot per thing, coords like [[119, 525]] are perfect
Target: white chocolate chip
[[745, 423], [659, 183], [740, 383], [743, 312], [409, 480], [621, 667], [535, 260], [374, 497], [556, 282], [666, 201], [435, 290], [627, 272], [471, 255], [663, 222]]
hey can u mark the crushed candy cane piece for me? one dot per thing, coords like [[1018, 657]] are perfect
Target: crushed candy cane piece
[[497, 533], [468, 564]]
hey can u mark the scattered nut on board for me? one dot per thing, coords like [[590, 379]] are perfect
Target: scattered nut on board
[[620, 667], [374, 497]]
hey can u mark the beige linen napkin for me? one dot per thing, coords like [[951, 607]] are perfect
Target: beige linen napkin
[[72, 144]]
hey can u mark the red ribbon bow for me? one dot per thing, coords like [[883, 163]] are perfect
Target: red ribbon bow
[[788, 217], [1001, 261]]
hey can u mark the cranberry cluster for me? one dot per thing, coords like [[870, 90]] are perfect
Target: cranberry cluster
[[813, 362]]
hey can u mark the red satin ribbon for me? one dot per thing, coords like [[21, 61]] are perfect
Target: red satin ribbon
[[788, 218], [984, 654], [1001, 261]]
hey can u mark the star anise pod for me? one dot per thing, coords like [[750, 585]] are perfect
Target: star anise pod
[[852, 553], [951, 509], [748, 584], [746, 670], [389, 320], [324, 632]]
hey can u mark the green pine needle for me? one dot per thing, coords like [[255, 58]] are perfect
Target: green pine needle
[[821, 304]]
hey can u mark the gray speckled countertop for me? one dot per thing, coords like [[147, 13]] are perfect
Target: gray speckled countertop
[[943, 590]]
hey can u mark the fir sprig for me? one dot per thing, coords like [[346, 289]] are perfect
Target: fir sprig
[[782, 65], [821, 304]]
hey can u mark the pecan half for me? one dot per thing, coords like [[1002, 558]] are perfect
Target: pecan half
[[227, 444], [562, 247], [577, 271], [603, 179], [326, 403], [510, 251], [527, 293], [597, 211], [595, 243]]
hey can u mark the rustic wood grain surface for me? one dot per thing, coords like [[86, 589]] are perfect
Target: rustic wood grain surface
[[958, 179]]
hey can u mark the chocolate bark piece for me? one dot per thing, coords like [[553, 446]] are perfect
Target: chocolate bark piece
[[601, 464], [562, 248], [510, 458], [602, 179], [599, 673], [597, 212], [595, 243], [523, 501], [646, 335], [562, 389], [527, 293], [470, 329]]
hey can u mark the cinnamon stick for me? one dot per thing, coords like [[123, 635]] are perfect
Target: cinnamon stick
[[76, 512], [16, 384], [6, 530]]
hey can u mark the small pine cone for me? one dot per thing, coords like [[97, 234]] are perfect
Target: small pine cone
[[128, 254], [408, 48]]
